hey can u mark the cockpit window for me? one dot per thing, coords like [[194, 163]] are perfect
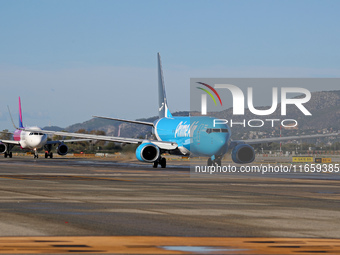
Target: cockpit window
[[36, 134], [217, 130]]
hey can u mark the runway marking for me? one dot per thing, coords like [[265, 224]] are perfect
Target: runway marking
[[10, 177], [166, 245]]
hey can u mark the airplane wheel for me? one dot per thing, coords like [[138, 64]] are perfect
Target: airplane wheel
[[163, 162], [51, 155], [210, 163], [5, 154], [155, 164], [46, 155], [10, 154], [218, 162]]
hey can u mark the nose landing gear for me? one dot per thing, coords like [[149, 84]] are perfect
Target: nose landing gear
[[214, 162], [36, 153]]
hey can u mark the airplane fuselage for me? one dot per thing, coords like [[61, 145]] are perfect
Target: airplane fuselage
[[30, 140], [194, 135]]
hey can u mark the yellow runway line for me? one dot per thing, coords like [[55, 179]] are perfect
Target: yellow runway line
[[10, 177], [166, 245]]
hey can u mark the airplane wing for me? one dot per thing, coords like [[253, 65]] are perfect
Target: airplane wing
[[130, 121], [279, 139], [10, 142], [161, 144], [69, 141]]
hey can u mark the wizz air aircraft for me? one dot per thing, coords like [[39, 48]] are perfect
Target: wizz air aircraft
[[186, 136], [32, 138]]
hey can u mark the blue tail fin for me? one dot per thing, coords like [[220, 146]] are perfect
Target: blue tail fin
[[163, 109], [20, 115]]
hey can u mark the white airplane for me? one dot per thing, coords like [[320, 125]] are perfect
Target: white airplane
[[32, 138], [199, 136]]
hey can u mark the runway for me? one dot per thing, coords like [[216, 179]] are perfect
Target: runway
[[67, 198]]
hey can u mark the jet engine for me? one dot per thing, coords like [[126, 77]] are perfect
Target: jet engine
[[147, 152], [62, 149], [3, 148], [243, 154]]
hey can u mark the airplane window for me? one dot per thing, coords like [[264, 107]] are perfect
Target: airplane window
[[208, 130], [224, 130], [31, 134], [35, 133]]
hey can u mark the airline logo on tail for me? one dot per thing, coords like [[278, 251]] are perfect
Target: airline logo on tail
[[204, 97]]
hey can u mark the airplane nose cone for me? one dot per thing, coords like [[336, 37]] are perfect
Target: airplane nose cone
[[36, 142], [220, 141], [213, 144]]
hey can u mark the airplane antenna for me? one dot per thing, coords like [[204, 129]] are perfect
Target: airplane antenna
[[11, 117]]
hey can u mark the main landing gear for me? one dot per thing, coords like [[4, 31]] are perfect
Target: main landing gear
[[161, 161], [214, 162], [48, 153], [8, 154]]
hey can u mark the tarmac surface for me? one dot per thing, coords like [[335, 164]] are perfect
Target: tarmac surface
[[80, 204]]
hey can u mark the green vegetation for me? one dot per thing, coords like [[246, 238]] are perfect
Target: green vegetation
[[303, 148], [5, 135]]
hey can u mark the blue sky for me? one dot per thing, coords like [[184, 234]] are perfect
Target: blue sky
[[69, 60]]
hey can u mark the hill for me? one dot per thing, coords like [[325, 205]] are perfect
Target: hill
[[324, 107]]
